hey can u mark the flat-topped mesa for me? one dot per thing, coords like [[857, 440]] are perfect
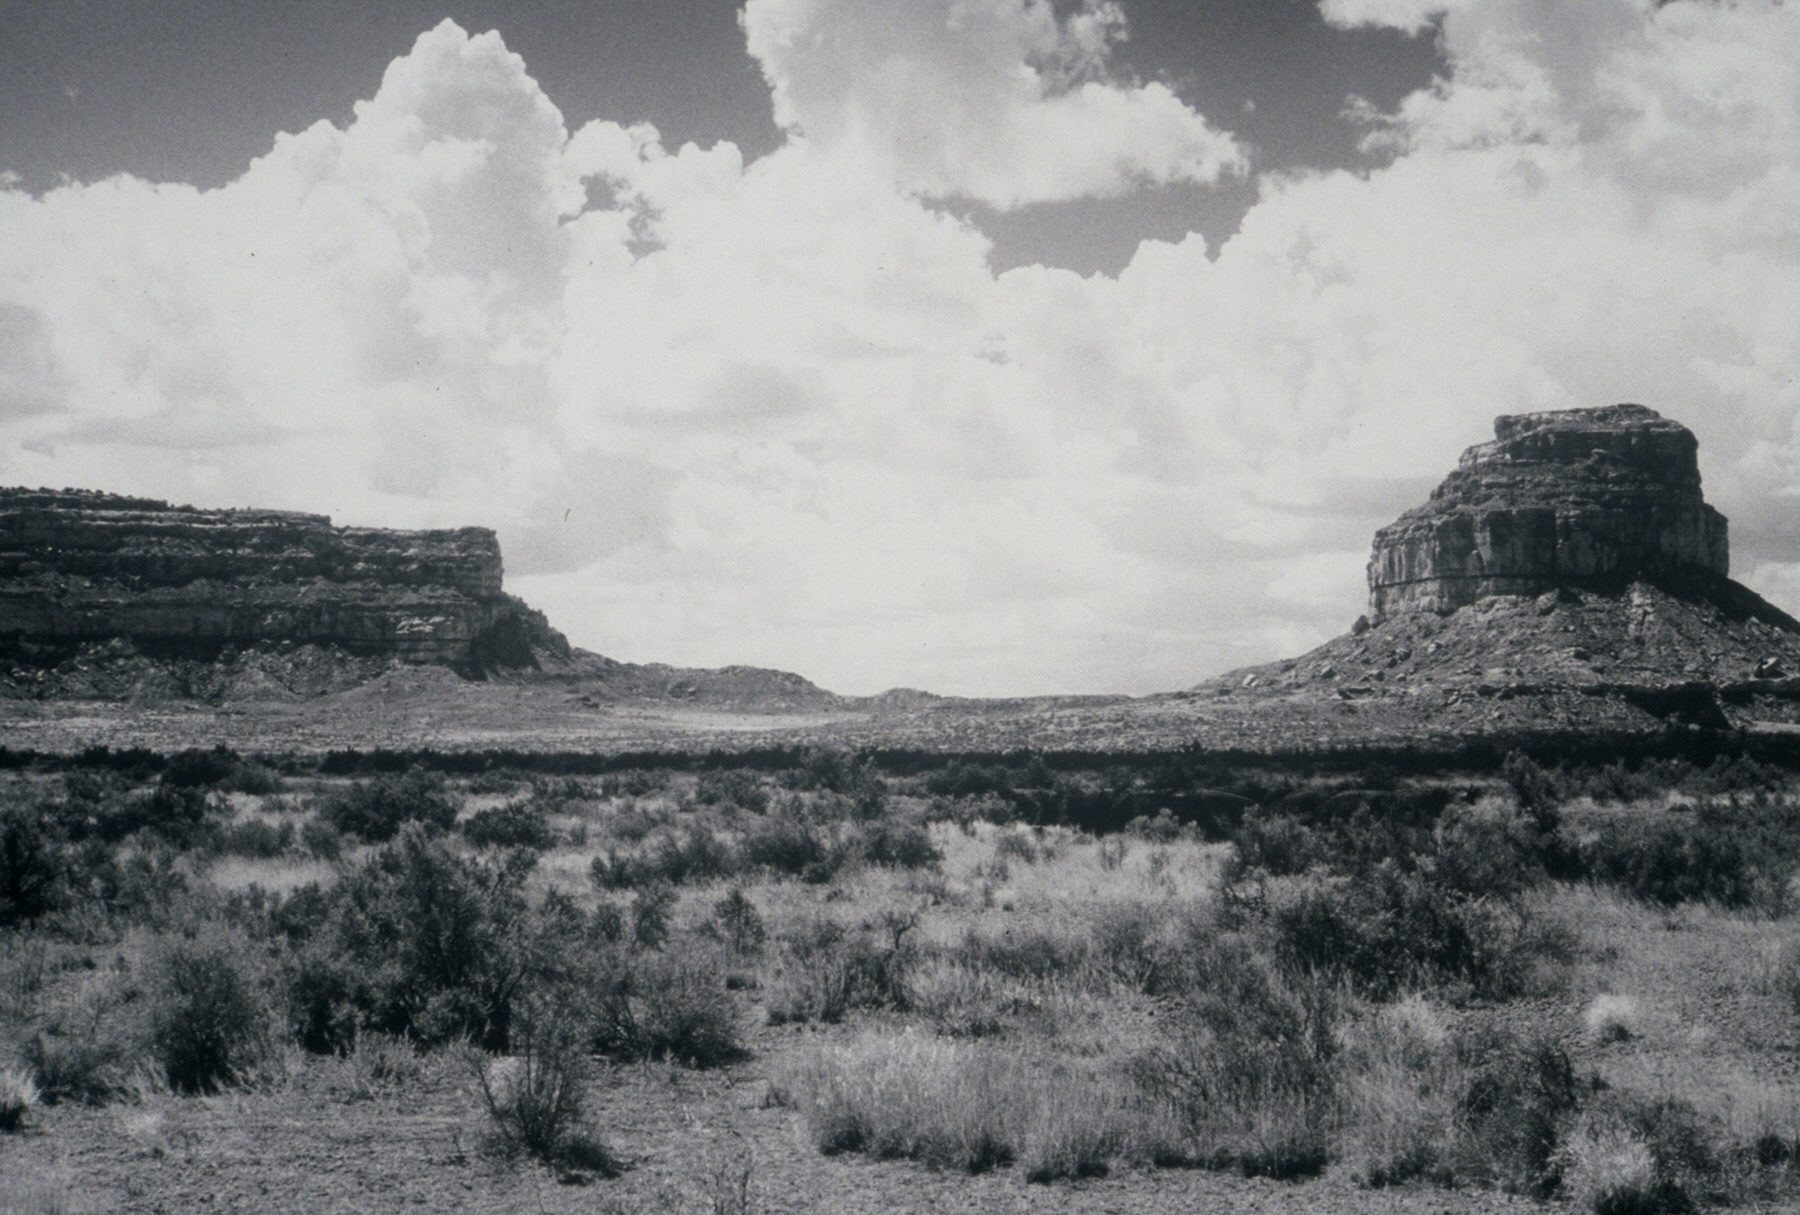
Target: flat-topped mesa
[[1577, 497], [77, 566]]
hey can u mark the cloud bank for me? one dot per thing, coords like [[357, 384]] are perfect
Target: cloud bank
[[783, 412]]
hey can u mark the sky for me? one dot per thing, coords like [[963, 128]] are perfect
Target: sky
[[984, 346]]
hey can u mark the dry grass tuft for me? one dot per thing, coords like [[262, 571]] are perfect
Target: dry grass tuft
[[966, 1106], [1611, 1018], [18, 1096]]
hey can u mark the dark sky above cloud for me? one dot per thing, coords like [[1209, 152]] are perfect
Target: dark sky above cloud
[[192, 90]]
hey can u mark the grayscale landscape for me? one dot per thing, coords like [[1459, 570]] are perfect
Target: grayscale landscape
[[881, 612]]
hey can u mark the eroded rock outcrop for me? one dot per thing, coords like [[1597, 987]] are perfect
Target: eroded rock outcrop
[[1579, 498], [80, 568]]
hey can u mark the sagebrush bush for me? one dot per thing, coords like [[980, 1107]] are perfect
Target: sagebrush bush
[[34, 864], [418, 941], [376, 809], [897, 845], [255, 837], [181, 815], [1633, 1155], [735, 788], [651, 912], [682, 1012], [1611, 1018], [1391, 929], [784, 844], [538, 1097], [321, 839], [696, 855], [516, 824], [208, 1021], [79, 1064], [738, 923], [830, 970], [1733, 853]]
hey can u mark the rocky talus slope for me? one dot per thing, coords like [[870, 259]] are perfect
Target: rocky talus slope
[[1567, 574]]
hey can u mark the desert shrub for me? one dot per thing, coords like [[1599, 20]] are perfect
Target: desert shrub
[[516, 824], [732, 788], [178, 814], [1031, 954], [696, 855], [1736, 854], [220, 768], [144, 886], [1533, 787], [830, 970], [86, 1063], [1391, 930], [208, 1022], [418, 941], [1485, 1107], [255, 837], [1517, 1097], [1016, 845], [1611, 1018], [1164, 828], [1400, 1081], [375, 1062], [34, 864], [637, 782], [897, 845], [738, 923], [682, 1012], [651, 912], [1277, 845], [606, 923], [1127, 946], [18, 1094], [376, 809], [833, 771], [616, 870], [321, 839], [784, 844], [1245, 1064], [538, 1099]]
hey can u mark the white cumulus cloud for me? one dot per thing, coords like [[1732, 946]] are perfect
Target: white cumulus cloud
[[783, 412]]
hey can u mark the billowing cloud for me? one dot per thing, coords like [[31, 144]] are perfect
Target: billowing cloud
[[783, 412], [995, 100]]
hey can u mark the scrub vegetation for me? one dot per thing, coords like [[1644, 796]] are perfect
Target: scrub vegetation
[[1568, 984]]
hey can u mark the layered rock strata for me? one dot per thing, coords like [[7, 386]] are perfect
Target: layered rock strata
[[1589, 498], [79, 567]]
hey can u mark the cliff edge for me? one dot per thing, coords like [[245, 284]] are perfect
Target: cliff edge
[[91, 582]]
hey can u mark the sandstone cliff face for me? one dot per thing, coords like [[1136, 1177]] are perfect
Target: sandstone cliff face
[[78, 568], [1576, 498]]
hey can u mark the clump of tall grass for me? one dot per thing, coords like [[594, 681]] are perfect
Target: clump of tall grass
[[1246, 1064], [829, 970], [1473, 1107], [965, 1106], [18, 1095]]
